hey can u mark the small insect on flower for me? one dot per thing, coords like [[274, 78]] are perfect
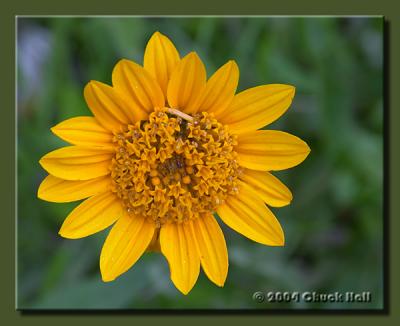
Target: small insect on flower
[[165, 150]]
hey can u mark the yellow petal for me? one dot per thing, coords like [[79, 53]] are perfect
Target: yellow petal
[[93, 215], [154, 245], [84, 131], [107, 105], [160, 59], [258, 106], [268, 150], [211, 246], [187, 84], [248, 215], [77, 162], [139, 88], [269, 188], [177, 245], [125, 244], [220, 89], [62, 191]]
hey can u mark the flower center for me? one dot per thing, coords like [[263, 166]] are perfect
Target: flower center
[[173, 167]]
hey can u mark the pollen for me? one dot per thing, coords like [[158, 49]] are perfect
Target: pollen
[[174, 167], [186, 179]]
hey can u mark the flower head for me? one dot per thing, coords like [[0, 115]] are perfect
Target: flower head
[[165, 150]]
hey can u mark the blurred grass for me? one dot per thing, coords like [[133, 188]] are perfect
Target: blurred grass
[[333, 227]]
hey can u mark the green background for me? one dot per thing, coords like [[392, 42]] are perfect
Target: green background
[[334, 227]]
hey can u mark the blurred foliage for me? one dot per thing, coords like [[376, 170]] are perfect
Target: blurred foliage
[[333, 227]]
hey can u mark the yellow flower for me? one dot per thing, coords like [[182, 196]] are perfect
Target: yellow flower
[[166, 149]]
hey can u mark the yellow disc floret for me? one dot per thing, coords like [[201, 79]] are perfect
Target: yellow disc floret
[[174, 167]]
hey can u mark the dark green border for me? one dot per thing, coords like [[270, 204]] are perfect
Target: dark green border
[[248, 7]]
